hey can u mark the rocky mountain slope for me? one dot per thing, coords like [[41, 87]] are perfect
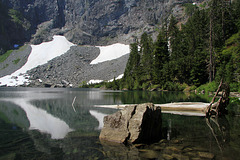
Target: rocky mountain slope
[[83, 21], [59, 63], [74, 68]]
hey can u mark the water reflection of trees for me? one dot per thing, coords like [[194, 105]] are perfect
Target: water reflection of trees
[[234, 123], [18, 144], [220, 129], [225, 131]]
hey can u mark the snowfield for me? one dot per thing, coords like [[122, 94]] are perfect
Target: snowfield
[[46, 51], [40, 55], [111, 52]]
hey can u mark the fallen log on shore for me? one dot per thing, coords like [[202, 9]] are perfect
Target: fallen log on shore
[[182, 108]]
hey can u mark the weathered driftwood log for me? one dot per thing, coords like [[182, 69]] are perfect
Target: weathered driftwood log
[[134, 124], [219, 107], [182, 108]]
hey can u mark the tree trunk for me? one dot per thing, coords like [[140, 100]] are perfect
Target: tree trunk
[[210, 67]]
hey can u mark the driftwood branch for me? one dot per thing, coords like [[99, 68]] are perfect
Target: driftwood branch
[[219, 106], [218, 90]]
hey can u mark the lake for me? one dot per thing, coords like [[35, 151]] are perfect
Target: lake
[[41, 123]]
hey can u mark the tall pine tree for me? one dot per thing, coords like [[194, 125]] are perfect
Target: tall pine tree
[[161, 57], [146, 51]]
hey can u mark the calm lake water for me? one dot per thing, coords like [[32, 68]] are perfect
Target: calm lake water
[[43, 124]]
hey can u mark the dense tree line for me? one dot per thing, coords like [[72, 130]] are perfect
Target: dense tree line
[[205, 49]]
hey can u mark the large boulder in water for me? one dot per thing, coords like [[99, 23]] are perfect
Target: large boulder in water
[[134, 124]]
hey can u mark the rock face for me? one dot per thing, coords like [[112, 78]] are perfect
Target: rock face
[[134, 124], [92, 22]]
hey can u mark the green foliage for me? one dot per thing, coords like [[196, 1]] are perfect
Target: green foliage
[[132, 70], [18, 19], [146, 85], [229, 59], [146, 52], [16, 16], [83, 84], [136, 85], [234, 107], [160, 58], [16, 61], [98, 85], [190, 8], [203, 5], [233, 40], [235, 100], [208, 87], [235, 87], [172, 86], [114, 85], [5, 56]]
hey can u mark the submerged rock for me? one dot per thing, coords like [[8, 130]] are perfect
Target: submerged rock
[[134, 124]]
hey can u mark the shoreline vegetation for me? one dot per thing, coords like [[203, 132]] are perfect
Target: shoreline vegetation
[[208, 88]]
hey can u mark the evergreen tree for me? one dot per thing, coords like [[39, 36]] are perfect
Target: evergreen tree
[[196, 34], [131, 72], [173, 33], [161, 57], [221, 27], [206, 44], [146, 51]]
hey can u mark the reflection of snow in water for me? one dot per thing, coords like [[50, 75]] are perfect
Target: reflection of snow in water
[[40, 120], [99, 116]]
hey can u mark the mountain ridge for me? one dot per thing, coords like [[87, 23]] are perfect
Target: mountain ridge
[[91, 22]]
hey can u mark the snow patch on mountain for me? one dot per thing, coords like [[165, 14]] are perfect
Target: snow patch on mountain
[[108, 53], [94, 81], [40, 55]]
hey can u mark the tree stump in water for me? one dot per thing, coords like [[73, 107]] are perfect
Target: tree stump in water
[[219, 108]]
